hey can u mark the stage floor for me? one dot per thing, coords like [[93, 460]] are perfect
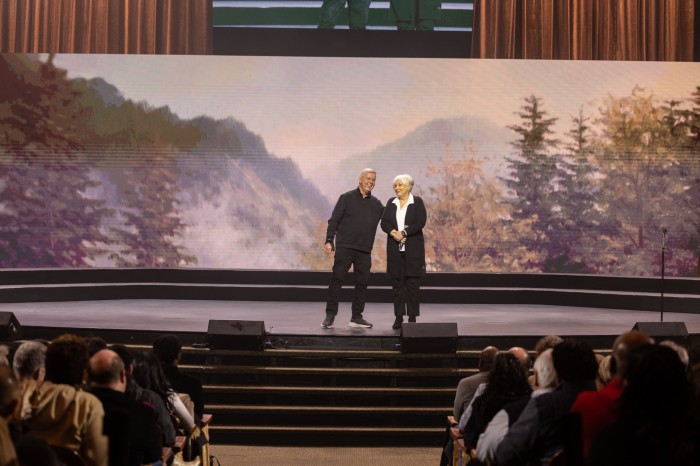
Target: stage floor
[[304, 318]]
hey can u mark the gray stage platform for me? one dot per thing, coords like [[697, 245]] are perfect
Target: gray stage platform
[[304, 318]]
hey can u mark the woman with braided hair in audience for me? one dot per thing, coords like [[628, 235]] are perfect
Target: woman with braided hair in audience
[[149, 374], [507, 383], [143, 395]]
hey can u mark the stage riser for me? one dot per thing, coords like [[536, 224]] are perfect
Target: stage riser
[[331, 437], [329, 418], [416, 399], [18, 277], [350, 380], [309, 342], [595, 299]]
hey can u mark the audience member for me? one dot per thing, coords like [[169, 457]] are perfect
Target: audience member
[[4, 355], [680, 351], [694, 354], [522, 356], [28, 366], [545, 374], [604, 375], [507, 383], [546, 381], [534, 437], [466, 390], [149, 374], [59, 411], [653, 426], [95, 344], [9, 397], [542, 345], [29, 363], [468, 385], [168, 349], [145, 396], [545, 343], [134, 438], [600, 408]]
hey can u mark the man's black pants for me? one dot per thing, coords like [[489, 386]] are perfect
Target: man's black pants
[[361, 262]]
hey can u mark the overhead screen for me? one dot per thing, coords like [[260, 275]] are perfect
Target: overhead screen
[[236, 162]]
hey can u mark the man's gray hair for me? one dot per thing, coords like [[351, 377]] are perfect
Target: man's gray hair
[[368, 170], [29, 358], [544, 370], [406, 180]]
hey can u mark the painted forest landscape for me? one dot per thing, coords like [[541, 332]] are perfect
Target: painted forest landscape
[[236, 162]]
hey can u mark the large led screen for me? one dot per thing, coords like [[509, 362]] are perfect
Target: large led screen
[[236, 162]]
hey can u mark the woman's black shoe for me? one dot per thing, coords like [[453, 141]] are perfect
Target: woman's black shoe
[[411, 318], [397, 323]]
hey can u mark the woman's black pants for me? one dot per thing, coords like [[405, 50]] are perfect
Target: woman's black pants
[[406, 291]]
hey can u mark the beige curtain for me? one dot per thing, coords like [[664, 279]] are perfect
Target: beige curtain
[[106, 26], [584, 29]]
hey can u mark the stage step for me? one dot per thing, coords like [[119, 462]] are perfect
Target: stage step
[[326, 436], [318, 395], [324, 397]]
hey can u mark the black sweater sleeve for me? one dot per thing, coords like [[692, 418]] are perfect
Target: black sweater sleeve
[[336, 217]]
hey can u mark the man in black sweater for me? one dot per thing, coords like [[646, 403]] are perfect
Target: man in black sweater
[[353, 226]]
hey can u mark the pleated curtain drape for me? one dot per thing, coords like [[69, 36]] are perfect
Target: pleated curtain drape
[[645, 30], [106, 26]]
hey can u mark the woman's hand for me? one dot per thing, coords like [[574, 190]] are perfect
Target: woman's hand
[[397, 236]]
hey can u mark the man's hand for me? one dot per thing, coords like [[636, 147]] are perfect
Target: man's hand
[[328, 248]]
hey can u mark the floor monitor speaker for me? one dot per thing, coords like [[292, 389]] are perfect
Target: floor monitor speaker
[[236, 334], [10, 329], [663, 330], [429, 337]]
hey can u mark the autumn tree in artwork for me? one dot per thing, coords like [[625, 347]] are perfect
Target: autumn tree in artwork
[[47, 216], [468, 228], [637, 178]]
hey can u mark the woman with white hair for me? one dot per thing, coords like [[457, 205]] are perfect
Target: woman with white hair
[[403, 221]]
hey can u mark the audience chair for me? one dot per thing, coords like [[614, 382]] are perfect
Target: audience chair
[[206, 456], [461, 452]]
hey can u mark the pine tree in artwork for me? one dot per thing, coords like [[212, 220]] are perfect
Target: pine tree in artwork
[[148, 185], [682, 119], [586, 230], [533, 180], [692, 176], [47, 217]]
